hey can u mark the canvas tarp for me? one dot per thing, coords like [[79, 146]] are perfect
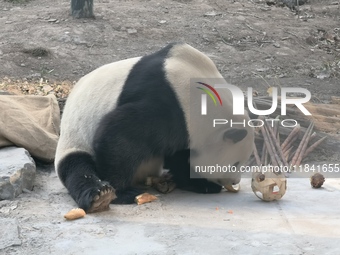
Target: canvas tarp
[[31, 122]]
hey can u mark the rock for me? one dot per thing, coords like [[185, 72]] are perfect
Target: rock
[[212, 14], [78, 41], [276, 45], [132, 31], [292, 3], [52, 20], [270, 2], [264, 69], [323, 75], [17, 172], [47, 88], [6, 206], [9, 234]]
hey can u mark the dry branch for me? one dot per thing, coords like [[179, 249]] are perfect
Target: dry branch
[[256, 155], [326, 117], [269, 147], [287, 153], [264, 156], [299, 141], [290, 137], [276, 145], [302, 146], [313, 146]]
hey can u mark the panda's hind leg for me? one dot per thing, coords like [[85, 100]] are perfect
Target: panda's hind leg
[[127, 196], [77, 172], [179, 168]]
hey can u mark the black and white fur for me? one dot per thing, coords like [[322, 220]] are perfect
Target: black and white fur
[[122, 121]]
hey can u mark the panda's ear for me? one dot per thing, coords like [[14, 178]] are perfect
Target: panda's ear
[[235, 134]]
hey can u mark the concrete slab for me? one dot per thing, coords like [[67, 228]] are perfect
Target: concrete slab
[[305, 221]]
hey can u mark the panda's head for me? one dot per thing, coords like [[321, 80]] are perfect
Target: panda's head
[[221, 156]]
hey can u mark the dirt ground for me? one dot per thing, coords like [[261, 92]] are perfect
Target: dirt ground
[[44, 50], [251, 42]]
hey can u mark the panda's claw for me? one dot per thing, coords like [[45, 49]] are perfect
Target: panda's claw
[[102, 200]]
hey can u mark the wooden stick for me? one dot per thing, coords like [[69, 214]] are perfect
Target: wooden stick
[[292, 134], [272, 143], [291, 156], [291, 143], [302, 146], [287, 153], [268, 146], [276, 130], [276, 146], [264, 155], [313, 146], [256, 155], [331, 144]]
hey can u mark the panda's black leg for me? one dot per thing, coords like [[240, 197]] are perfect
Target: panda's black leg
[[126, 196], [121, 145], [179, 167], [77, 172], [117, 166], [204, 186]]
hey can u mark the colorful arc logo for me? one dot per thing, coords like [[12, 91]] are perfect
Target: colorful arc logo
[[209, 92]]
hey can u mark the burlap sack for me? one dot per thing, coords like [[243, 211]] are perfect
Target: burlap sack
[[31, 122]]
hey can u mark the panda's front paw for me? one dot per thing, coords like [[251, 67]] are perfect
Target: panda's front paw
[[97, 199]]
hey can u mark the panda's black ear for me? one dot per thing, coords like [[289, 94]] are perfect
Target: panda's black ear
[[235, 134]]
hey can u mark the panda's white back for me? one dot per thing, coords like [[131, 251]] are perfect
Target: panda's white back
[[93, 96]]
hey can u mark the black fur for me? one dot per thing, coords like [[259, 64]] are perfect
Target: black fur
[[148, 122], [179, 168], [77, 172], [235, 134]]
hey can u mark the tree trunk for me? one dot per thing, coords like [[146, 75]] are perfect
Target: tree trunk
[[82, 8]]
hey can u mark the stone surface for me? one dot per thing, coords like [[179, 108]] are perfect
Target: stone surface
[[17, 172], [305, 221], [9, 234]]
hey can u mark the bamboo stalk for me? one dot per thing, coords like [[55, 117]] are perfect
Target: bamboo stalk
[[313, 146], [291, 143], [269, 146], [276, 146], [264, 155], [302, 146], [292, 134], [291, 156], [287, 153], [256, 155], [276, 130]]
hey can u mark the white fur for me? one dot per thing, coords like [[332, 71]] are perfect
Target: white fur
[[93, 96], [186, 65]]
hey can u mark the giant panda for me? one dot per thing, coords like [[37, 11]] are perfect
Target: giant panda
[[124, 121]]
